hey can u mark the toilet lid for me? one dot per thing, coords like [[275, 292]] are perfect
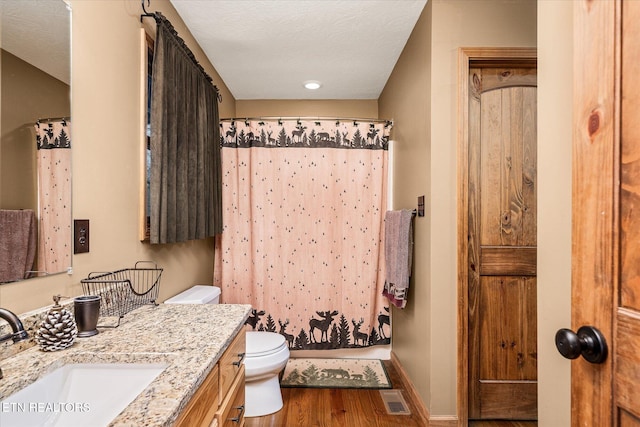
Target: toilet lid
[[263, 343], [199, 294]]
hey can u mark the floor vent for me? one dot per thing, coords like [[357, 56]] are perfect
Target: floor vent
[[394, 403]]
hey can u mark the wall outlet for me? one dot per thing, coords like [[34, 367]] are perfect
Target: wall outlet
[[420, 205], [80, 236]]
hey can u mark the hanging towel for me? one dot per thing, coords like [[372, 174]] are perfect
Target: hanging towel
[[398, 251], [18, 242]]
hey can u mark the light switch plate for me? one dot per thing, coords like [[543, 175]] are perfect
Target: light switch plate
[[80, 236]]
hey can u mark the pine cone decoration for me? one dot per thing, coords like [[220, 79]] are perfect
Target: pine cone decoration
[[58, 331]]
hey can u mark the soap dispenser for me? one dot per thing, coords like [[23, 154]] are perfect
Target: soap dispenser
[[58, 331]]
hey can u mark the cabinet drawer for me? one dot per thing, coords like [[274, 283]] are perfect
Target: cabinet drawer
[[230, 363], [231, 412], [202, 408]]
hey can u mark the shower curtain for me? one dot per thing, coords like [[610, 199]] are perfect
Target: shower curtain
[[54, 195], [302, 241]]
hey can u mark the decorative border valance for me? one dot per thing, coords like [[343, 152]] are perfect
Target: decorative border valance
[[52, 135], [324, 133]]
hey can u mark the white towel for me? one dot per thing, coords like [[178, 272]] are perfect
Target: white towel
[[398, 250]]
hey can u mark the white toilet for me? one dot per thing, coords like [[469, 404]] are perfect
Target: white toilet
[[266, 356]]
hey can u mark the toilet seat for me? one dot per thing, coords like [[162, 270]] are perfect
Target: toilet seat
[[261, 344]]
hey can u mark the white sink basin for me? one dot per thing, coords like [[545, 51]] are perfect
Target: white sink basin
[[85, 394]]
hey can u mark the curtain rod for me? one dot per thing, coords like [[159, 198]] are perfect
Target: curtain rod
[[310, 119], [53, 119], [160, 19]]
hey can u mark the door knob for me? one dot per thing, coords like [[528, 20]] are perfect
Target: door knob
[[588, 342]]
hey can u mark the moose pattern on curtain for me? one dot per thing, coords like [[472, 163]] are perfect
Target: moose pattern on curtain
[[303, 221], [53, 142]]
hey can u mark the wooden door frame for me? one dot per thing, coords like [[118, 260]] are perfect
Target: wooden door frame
[[466, 58]]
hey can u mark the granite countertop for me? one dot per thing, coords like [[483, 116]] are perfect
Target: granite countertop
[[190, 338]]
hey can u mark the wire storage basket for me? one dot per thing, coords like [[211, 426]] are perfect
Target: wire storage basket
[[124, 290]]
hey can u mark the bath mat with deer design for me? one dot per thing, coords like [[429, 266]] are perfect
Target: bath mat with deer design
[[335, 373]]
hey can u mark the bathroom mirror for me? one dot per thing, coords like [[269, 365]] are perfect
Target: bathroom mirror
[[35, 139]]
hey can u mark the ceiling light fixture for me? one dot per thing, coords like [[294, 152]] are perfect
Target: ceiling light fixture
[[312, 84]]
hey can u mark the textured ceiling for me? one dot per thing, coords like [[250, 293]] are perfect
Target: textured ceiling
[[267, 49], [38, 32]]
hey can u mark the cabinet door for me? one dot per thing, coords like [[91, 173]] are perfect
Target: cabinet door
[[201, 410], [231, 412], [231, 363]]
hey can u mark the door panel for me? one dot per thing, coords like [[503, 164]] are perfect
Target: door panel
[[592, 200], [502, 244], [508, 166], [606, 210], [627, 361], [511, 260], [627, 323], [507, 345], [628, 420]]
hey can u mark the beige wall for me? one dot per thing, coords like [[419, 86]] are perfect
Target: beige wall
[[363, 108], [406, 100], [555, 82], [429, 167], [106, 124]]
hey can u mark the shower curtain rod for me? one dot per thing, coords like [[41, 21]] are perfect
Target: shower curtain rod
[[53, 119], [310, 119]]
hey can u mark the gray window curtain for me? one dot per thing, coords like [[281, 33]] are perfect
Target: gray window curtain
[[185, 188]]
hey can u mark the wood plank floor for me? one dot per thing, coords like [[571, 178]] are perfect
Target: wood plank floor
[[309, 407]]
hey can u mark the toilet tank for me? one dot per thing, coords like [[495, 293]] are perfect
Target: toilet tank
[[199, 294]]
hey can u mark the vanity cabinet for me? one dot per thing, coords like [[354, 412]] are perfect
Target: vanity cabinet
[[231, 388], [219, 402]]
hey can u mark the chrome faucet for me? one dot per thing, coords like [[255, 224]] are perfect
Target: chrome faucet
[[18, 334]]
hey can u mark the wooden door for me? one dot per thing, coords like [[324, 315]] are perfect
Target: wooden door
[[606, 210], [502, 243]]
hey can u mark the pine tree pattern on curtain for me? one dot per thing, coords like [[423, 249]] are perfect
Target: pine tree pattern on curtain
[[302, 240], [53, 140]]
